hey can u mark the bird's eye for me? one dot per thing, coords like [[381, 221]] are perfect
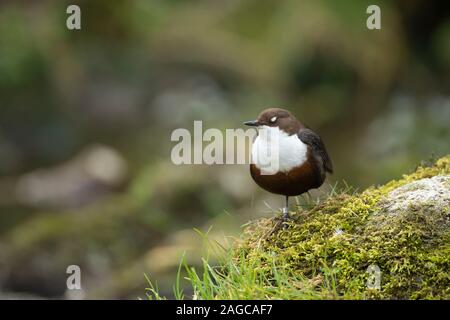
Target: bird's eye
[[273, 119]]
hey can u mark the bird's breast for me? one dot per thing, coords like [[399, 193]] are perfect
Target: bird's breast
[[275, 151]]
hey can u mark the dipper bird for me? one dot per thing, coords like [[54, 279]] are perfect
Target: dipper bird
[[300, 155]]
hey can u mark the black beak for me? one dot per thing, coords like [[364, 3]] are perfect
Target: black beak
[[253, 123]]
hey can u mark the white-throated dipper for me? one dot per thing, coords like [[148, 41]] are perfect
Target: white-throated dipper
[[302, 160]]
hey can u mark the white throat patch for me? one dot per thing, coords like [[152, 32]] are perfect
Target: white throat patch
[[286, 153]]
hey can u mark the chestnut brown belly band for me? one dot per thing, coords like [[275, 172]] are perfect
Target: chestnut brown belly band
[[292, 183]]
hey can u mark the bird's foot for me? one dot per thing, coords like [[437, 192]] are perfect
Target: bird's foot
[[285, 213], [285, 217], [281, 222]]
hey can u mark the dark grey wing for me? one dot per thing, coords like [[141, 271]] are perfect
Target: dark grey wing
[[319, 151]]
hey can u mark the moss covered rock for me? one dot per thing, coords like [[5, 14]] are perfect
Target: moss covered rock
[[397, 233]]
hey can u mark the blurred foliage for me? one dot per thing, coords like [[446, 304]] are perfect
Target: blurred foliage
[[86, 118]]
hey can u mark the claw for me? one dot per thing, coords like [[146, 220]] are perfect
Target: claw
[[285, 212], [285, 217]]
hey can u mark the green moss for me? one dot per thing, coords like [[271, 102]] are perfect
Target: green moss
[[413, 256]]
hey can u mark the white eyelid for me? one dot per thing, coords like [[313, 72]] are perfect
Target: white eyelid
[[273, 119]]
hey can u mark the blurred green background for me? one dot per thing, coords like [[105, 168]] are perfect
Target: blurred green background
[[86, 117]]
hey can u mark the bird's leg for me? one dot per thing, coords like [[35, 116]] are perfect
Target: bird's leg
[[286, 210]]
